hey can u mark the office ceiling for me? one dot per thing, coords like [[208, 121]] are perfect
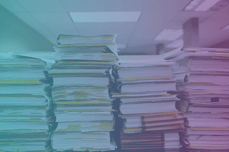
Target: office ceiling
[[51, 18]]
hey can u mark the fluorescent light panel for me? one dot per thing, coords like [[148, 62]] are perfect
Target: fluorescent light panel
[[175, 44], [193, 4], [206, 5], [169, 35], [85, 17]]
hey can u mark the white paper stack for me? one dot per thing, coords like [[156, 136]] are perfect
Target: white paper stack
[[22, 104], [143, 84], [203, 76], [81, 92]]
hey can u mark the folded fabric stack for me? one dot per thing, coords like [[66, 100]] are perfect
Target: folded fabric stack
[[81, 92], [22, 104], [203, 76], [142, 84]]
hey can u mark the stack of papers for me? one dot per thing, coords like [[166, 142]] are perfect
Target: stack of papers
[[148, 141], [143, 86], [23, 126], [80, 91], [203, 84]]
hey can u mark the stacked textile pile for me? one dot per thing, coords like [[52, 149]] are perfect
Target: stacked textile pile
[[203, 86], [81, 92], [142, 84], [22, 104]]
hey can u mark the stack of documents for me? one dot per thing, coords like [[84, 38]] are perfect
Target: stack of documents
[[22, 104], [143, 84], [80, 91], [203, 90]]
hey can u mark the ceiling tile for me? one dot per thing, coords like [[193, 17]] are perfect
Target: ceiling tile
[[164, 5], [150, 49], [120, 28], [123, 39], [89, 26], [216, 21], [92, 32], [57, 32], [124, 5], [174, 25], [12, 6], [214, 37], [102, 5], [51, 18], [30, 20], [54, 20], [48, 36], [184, 16], [133, 50], [141, 38], [123, 31], [42, 6], [149, 19]]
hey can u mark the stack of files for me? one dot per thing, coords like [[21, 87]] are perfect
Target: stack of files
[[207, 131], [83, 131], [143, 86], [165, 125], [135, 77], [204, 106], [81, 92], [203, 92], [150, 141], [21, 75], [136, 123], [22, 104]]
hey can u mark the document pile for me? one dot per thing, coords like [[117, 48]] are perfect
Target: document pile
[[22, 119], [143, 84], [203, 88], [81, 92]]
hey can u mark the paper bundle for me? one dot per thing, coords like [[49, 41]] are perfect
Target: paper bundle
[[23, 126], [203, 90], [143, 83], [81, 93]]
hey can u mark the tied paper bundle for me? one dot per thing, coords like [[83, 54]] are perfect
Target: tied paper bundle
[[142, 131], [150, 141], [203, 77], [23, 126], [143, 83], [81, 92]]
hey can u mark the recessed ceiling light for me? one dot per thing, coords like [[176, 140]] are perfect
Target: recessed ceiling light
[[175, 44], [169, 35], [79, 17], [193, 4], [206, 5]]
